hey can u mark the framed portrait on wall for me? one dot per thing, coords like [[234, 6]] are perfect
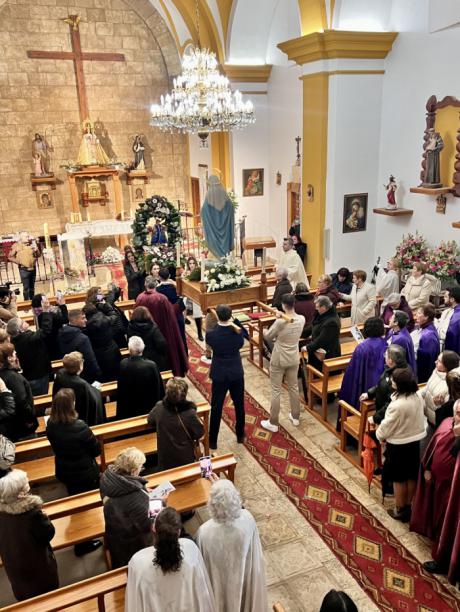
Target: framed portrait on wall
[[253, 182], [354, 213], [45, 200], [138, 192]]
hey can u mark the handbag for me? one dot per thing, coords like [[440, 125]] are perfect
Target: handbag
[[196, 443]]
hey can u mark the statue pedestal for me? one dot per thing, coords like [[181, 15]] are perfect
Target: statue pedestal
[[246, 296], [96, 172]]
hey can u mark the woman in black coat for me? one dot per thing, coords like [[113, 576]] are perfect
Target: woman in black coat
[[25, 535], [7, 408], [126, 507], [99, 330], [177, 425], [141, 324], [59, 318], [134, 275], [88, 399], [24, 422], [75, 448]]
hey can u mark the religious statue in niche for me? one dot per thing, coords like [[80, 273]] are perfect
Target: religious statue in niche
[[138, 150], [434, 146], [91, 152], [158, 231], [41, 157], [390, 189], [95, 191]]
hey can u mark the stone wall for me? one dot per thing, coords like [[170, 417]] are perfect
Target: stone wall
[[41, 96]]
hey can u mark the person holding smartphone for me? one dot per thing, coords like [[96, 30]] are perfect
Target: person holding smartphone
[[24, 253]]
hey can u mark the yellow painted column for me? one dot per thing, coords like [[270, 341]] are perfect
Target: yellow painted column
[[314, 168], [220, 155], [313, 16]]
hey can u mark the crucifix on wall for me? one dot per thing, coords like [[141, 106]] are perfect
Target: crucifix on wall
[[78, 57]]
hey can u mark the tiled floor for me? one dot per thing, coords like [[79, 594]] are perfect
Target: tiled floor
[[301, 569]]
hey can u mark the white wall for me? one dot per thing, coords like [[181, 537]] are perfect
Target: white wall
[[353, 148], [199, 155], [419, 65]]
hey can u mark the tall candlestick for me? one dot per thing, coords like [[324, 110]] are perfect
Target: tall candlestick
[[177, 254], [47, 236], [203, 267], [88, 216]]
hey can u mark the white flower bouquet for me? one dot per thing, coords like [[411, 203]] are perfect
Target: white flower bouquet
[[111, 255], [226, 275]]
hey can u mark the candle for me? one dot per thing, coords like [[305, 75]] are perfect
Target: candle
[[203, 267], [177, 254], [47, 236], [88, 216]]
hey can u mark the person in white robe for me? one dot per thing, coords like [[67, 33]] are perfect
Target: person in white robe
[[169, 576], [442, 323], [290, 260], [387, 281], [232, 552]]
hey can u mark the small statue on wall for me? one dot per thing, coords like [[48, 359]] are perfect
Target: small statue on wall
[[138, 150], [390, 189], [40, 154], [434, 146]]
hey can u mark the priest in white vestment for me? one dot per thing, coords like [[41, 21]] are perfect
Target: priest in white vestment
[[231, 549], [291, 261], [387, 281], [170, 576]]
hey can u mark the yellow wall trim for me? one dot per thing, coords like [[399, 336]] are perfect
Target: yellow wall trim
[[208, 30], [333, 44], [225, 10], [332, 72], [248, 74], [220, 156], [313, 16]]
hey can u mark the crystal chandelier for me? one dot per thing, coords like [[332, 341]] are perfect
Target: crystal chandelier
[[201, 100]]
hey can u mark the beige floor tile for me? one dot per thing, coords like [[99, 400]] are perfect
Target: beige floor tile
[[292, 559], [280, 593]]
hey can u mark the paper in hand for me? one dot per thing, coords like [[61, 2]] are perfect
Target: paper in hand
[[161, 490]]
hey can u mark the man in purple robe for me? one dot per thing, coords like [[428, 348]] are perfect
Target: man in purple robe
[[396, 301], [163, 314], [426, 342], [398, 334], [436, 507], [452, 342], [367, 363]]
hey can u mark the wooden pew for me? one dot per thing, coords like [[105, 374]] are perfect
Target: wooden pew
[[74, 298], [57, 363], [43, 469], [354, 424], [320, 384]]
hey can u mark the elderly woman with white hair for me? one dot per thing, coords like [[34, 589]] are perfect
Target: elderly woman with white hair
[[126, 506], [140, 385], [396, 301], [232, 553], [282, 287], [25, 535]]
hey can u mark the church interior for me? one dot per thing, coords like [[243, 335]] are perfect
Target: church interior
[[284, 173]]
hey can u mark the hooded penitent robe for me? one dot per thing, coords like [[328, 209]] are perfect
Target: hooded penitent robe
[[218, 218], [233, 557], [402, 337], [164, 316], [186, 590], [452, 342], [364, 370], [426, 343], [294, 265]]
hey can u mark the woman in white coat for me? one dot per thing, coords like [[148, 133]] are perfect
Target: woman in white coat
[[387, 281], [231, 549], [169, 576], [419, 286]]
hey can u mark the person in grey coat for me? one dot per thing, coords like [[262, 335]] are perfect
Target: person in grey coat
[[128, 527], [177, 425]]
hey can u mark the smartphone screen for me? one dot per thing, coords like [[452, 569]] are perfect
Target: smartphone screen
[[58, 293], [99, 297], [155, 507], [205, 466]]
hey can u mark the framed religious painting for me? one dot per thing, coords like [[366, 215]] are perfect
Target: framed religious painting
[[253, 182], [354, 213], [138, 193], [45, 199]]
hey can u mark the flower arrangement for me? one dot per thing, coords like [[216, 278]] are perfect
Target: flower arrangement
[[111, 255], [442, 261], [233, 199], [412, 248], [226, 275], [163, 255]]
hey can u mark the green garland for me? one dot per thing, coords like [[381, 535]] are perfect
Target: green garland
[[157, 207]]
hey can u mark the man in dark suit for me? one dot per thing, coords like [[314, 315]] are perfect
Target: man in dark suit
[[226, 371], [140, 385]]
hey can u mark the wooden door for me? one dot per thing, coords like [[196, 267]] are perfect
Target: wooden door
[[195, 185]]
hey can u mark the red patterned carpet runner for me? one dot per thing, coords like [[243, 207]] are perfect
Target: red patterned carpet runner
[[385, 569]]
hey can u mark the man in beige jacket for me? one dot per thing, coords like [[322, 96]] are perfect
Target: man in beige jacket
[[285, 362]]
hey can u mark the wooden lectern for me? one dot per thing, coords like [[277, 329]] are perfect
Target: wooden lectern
[[259, 246]]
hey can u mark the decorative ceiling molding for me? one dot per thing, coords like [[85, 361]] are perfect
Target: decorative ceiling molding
[[248, 74], [209, 33], [332, 44], [225, 10]]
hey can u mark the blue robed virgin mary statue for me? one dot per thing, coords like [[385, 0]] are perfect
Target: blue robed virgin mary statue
[[218, 217]]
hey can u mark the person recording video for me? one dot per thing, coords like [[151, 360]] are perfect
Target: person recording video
[[24, 253], [8, 308]]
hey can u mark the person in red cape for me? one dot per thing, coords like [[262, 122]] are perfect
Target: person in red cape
[[436, 507], [164, 316]]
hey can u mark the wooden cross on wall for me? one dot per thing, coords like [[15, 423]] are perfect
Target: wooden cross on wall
[[78, 57]]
